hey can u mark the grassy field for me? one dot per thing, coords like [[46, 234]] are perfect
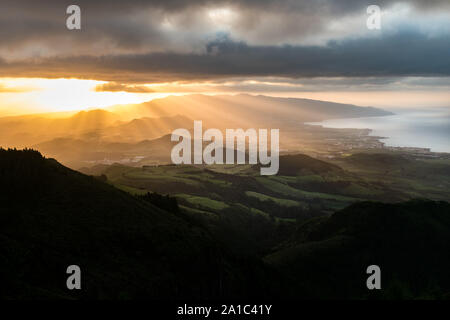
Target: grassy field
[[242, 207], [219, 187], [203, 202], [281, 202]]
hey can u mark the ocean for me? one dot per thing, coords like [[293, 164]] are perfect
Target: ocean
[[428, 128]]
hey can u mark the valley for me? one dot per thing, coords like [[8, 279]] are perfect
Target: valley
[[236, 199]]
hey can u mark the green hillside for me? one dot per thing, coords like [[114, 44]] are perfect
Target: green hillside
[[52, 217], [327, 257]]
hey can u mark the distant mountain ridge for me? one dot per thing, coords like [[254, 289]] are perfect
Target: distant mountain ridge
[[150, 120], [110, 134], [244, 110], [28, 131]]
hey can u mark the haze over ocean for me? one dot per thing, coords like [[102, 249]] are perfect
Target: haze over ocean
[[424, 128]]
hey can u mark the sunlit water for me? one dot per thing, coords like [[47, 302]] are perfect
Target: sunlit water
[[407, 128]]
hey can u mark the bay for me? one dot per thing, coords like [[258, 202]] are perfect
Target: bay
[[426, 128]]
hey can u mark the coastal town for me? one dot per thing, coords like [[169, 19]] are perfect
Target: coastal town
[[329, 143]]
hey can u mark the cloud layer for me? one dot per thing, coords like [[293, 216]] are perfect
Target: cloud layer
[[141, 41]]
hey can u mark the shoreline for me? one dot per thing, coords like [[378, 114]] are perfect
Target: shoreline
[[395, 140]]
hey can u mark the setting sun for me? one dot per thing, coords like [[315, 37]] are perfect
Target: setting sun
[[54, 95]]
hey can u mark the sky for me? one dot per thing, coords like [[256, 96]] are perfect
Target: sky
[[133, 51]]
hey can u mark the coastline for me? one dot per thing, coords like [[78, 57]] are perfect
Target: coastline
[[399, 131]]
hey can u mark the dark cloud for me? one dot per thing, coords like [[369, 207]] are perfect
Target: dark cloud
[[401, 54], [139, 41], [176, 5], [37, 28], [270, 84], [115, 87]]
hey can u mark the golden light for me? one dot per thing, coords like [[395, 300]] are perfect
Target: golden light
[[34, 95], [72, 94]]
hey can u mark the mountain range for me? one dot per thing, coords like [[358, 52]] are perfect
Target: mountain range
[[122, 133], [133, 123]]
